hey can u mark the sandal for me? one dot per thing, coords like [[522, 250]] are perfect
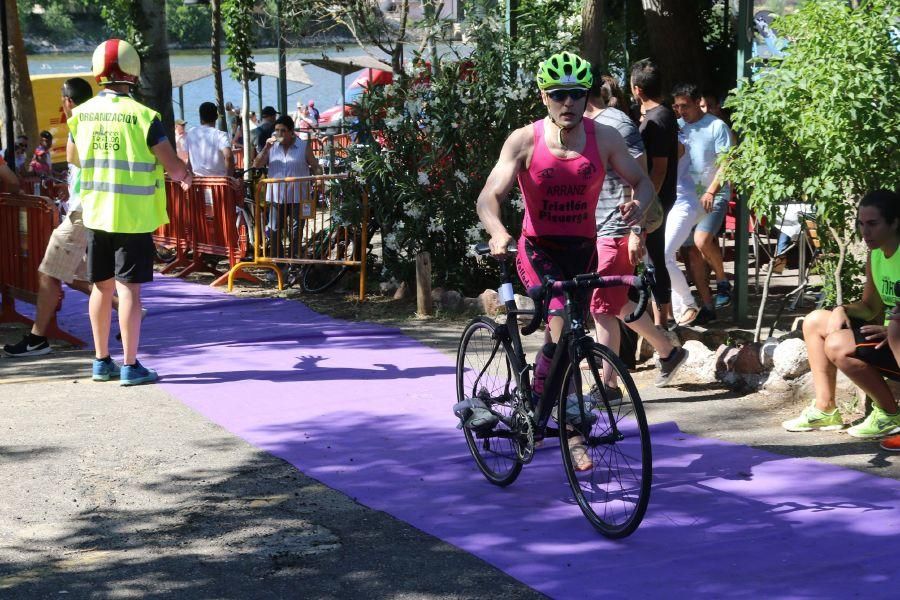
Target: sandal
[[688, 316], [581, 459]]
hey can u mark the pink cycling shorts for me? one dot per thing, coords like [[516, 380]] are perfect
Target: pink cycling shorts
[[612, 259]]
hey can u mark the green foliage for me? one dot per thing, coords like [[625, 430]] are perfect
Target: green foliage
[[822, 123], [188, 25], [440, 133], [237, 23], [122, 17]]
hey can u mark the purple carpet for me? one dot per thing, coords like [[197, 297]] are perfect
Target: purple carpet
[[366, 410]]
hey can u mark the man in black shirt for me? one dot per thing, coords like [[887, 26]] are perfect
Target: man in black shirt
[[265, 129], [659, 130]]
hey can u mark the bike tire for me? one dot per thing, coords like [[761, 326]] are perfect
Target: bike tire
[[614, 492], [484, 369], [244, 227], [334, 244]]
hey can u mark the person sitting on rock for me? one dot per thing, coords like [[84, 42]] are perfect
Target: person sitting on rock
[[845, 338]]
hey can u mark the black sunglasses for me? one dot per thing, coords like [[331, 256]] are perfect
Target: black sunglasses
[[561, 95]]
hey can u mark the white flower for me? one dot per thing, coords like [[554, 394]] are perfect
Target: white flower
[[360, 179], [475, 233], [461, 176], [435, 226], [357, 166], [390, 241], [423, 178], [454, 125], [414, 212]]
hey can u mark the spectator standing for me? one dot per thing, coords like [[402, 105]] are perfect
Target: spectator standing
[[285, 155], [122, 148], [298, 112], [208, 148], [21, 165], [40, 161], [706, 138], [265, 129], [620, 246], [313, 112], [180, 137], [659, 131], [64, 258]]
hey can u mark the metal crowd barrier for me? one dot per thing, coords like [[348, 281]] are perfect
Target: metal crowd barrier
[[26, 222], [299, 221], [204, 226]]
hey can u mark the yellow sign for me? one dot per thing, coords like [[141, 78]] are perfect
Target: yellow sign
[[48, 107]]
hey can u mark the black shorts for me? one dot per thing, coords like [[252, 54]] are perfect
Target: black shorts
[[882, 358], [559, 257], [126, 256]]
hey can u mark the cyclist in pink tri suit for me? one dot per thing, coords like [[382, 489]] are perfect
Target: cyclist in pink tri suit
[[559, 162]]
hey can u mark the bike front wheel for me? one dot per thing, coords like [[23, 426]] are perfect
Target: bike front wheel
[[605, 442], [336, 244], [484, 371]]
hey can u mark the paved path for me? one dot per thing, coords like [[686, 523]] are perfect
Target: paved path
[[155, 490]]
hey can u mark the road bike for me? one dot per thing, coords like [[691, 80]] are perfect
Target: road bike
[[589, 402]]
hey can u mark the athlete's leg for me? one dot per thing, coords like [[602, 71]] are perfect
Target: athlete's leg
[[824, 372], [840, 348]]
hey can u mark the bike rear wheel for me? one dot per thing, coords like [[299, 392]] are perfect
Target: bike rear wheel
[[337, 243], [484, 371], [612, 486]]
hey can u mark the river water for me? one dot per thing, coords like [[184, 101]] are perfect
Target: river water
[[326, 88]]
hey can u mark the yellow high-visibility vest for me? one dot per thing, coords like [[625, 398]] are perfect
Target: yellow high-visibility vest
[[122, 184]]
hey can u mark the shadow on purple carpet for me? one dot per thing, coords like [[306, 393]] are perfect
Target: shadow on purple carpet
[[366, 410]]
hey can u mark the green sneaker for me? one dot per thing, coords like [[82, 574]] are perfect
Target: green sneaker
[[812, 418], [877, 424]]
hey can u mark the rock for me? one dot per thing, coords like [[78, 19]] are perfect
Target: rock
[[790, 359], [747, 360], [766, 351], [490, 302], [720, 358], [700, 364], [472, 305], [451, 301], [402, 292], [436, 294], [775, 383], [524, 302]]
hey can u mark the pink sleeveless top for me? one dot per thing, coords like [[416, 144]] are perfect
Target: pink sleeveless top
[[561, 194]]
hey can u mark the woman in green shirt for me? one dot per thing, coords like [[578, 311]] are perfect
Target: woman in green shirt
[[854, 337]]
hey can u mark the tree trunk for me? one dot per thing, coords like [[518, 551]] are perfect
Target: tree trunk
[[842, 244], [674, 33], [156, 76], [24, 118], [593, 34], [216, 10]]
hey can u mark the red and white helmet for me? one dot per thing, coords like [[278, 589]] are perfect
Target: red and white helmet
[[116, 61]]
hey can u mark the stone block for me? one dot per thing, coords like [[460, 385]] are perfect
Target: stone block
[[790, 359]]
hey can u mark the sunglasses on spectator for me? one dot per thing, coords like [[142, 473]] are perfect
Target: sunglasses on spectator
[[561, 95]]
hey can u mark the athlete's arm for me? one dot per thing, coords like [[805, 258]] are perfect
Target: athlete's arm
[[513, 158], [621, 161]]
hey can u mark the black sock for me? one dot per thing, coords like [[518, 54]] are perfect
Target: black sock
[[671, 354], [36, 338], [105, 359]]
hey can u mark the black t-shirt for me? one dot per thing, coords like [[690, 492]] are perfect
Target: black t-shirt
[[659, 131], [262, 133]]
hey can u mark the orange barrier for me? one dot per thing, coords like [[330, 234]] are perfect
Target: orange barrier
[[204, 226], [331, 146], [307, 221], [26, 222], [238, 158]]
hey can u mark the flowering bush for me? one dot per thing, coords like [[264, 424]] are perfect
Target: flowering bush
[[437, 133]]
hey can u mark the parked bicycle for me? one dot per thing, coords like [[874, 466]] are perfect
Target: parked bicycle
[[588, 396]]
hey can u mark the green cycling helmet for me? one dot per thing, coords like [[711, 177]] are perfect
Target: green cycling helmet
[[564, 69]]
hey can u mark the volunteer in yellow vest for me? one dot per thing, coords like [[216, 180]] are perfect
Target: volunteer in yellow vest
[[122, 149], [854, 337]]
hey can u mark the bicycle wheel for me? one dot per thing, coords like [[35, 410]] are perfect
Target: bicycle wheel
[[484, 371], [606, 447], [244, 226], [332, 244]]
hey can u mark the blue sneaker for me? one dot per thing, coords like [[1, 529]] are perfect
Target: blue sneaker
[[723, 294], [104, 370], [137, 374]]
